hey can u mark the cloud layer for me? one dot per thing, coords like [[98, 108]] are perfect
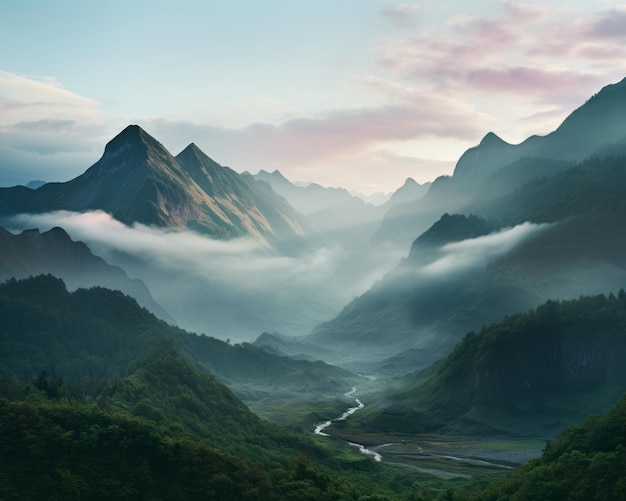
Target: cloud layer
[[230, 289], [479, 252]]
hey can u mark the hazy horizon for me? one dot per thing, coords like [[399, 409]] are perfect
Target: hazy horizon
[[355, 94]]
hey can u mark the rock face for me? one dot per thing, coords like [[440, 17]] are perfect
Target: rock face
[[562, 349], [138, 180], [239, 199], [54, 252]]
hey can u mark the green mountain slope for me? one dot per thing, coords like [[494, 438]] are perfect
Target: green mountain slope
[[64, 451], [495, 168], [586, 462], [166, 431], [443, 289], [530, 374], [33, 253], [100, 334], [99, 401]]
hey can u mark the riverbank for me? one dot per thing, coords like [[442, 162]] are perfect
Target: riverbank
[[449, 456]]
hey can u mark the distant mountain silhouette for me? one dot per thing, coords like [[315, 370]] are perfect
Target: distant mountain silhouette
[[441, 291], [33, 253], [494, 167], [580, 249], [410, 191], [598, 122], [326, 208], [138, 180], [335, 208], [33, 185]]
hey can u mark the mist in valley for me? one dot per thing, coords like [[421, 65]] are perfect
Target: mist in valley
[[233, 289]]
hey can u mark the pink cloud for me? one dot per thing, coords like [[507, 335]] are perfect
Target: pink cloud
[[329, 137], [526, 12], [529, 52], [486, 32], [607, 25], [533, 81]]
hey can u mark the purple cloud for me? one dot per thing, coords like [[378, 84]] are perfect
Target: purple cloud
[[535, 82], [607, 25], [327, 138], [524, 52]]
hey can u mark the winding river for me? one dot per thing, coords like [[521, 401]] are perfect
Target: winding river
[[319, 429]]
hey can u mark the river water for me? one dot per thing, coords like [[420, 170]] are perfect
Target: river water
[[319, 429]]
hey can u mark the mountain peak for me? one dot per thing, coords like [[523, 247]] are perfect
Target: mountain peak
[[192, 148], [491, 139], [193, 158], [278, 175], [131, 137], [129, 151]]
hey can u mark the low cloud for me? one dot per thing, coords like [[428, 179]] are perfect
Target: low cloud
[[473, 253], [235, 288]]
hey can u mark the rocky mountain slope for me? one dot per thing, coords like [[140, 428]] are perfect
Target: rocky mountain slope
[[138, 181]]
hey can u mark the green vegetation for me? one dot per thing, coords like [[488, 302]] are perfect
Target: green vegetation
[[591, 188], [532, 373], [98, 401], [586, 462], [98, 334]]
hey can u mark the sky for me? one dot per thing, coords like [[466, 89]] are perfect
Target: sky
[[354, 93]]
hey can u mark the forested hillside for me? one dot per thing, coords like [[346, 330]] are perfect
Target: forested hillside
[[99, 401], [532, 373], [586, 462]]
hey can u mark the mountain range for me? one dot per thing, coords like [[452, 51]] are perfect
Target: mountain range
[[530, 374], [331, 209], [33, 253], [138, 181], [102, 332], [552, 234], [108, 401], [494, 168], [505, 317]]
